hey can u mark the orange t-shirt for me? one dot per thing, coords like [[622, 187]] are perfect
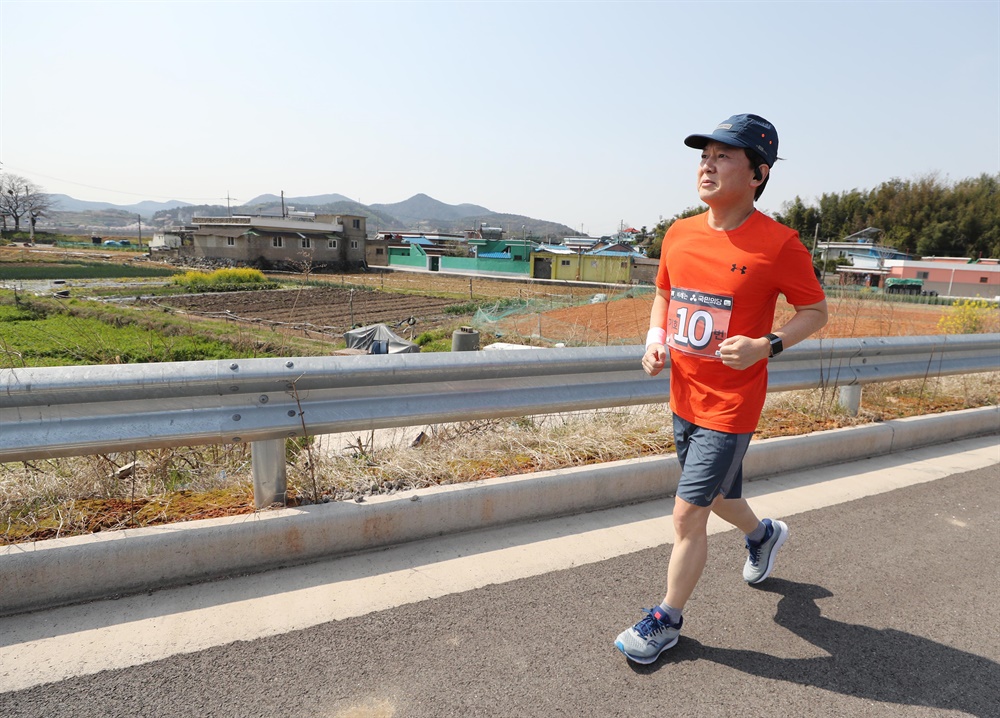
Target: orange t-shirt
[[722, 284]]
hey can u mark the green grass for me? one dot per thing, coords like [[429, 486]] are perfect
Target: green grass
[[79, 270], [36, 332], [436, 340], [59, 340]]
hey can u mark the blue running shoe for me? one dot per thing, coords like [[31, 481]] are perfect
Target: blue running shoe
[[650, 637], [761, 559]]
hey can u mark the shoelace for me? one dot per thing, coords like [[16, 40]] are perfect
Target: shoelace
[[754, 550], [650, 624]]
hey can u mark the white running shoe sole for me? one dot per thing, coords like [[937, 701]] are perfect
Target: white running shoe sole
[[650, 659]]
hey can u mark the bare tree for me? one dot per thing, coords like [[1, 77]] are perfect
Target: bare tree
[[39, 204], [304, 263], [20, 197]]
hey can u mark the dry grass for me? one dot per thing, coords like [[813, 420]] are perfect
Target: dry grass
[[46, 499]]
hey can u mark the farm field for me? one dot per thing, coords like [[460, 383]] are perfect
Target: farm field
[[615, 321], [331, 310], [186, 484], [555, 312]]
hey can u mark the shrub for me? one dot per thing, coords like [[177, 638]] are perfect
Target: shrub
[[224, 280], [968, 316], [425, 338]]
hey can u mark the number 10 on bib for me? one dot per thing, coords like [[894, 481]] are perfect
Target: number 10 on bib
[[698, 322]]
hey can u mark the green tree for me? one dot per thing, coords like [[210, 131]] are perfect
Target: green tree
[[924, 216], [663, 225], [801, 218]]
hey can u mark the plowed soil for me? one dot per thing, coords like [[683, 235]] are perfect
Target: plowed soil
[[332, 310]]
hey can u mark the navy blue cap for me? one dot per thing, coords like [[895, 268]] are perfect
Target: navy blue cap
[[751, 132]]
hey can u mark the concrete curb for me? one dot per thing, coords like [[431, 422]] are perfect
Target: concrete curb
[[71, 570]]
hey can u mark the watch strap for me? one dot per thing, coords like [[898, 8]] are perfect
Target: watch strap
[[776, 346]]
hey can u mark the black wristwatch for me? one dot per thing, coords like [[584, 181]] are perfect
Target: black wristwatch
[[776, 346]]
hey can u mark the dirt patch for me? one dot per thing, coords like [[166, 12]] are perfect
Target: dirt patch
[[464, 288], [329, 310], [626, 320]]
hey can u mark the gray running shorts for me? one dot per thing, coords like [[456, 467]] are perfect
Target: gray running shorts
[[711, 462]]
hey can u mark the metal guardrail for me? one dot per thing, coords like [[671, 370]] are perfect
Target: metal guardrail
[[72, 411]]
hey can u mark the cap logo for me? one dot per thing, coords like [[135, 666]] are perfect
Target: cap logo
[[724, 126]]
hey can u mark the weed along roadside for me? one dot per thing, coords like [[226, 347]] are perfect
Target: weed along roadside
[[52, 498], [147, 488]]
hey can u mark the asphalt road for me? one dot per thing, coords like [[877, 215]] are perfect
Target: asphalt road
[[882, 606]]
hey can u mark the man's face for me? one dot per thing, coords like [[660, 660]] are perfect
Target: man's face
[[724, 175]]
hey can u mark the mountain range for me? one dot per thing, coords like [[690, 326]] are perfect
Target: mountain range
[[418, 213], [65, 203]]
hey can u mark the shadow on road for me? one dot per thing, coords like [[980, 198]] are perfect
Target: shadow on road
[[875, 664]]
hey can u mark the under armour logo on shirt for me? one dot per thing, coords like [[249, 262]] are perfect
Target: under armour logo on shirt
[[743, 269]]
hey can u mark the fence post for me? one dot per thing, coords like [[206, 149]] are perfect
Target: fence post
[[850, 398], [270, 484]]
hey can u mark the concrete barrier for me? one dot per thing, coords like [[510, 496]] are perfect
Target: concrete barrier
[[70, 570]]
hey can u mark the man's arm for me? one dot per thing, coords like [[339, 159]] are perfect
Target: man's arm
[[655, 357], [741, 352]]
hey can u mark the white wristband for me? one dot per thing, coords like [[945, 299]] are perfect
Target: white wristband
[[657, 335]]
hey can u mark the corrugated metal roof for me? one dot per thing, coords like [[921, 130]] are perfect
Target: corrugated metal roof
[[494, 255]]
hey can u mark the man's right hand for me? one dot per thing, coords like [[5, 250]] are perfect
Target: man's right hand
[[654, 359]]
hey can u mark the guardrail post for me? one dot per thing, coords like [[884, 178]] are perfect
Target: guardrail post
[[850, 398], [270, 484]]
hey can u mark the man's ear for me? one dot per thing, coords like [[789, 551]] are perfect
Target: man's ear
[[758, 175]]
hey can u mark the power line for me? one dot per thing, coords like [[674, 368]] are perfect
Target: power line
[[116, 191]]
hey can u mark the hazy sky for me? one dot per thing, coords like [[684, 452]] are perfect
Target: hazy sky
[[573, 112]]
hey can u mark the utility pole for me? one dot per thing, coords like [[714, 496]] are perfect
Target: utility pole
[[812, 254], [283, 207], [139, 216]]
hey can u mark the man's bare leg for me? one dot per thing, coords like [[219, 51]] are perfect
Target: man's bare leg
[[737, 512], [690, 552]]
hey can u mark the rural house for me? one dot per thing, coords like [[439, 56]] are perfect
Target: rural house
[[565, 264], [275, 241], [584, 259], [475, 252]]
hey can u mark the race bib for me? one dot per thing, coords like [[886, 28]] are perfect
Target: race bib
[[697, 322]]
